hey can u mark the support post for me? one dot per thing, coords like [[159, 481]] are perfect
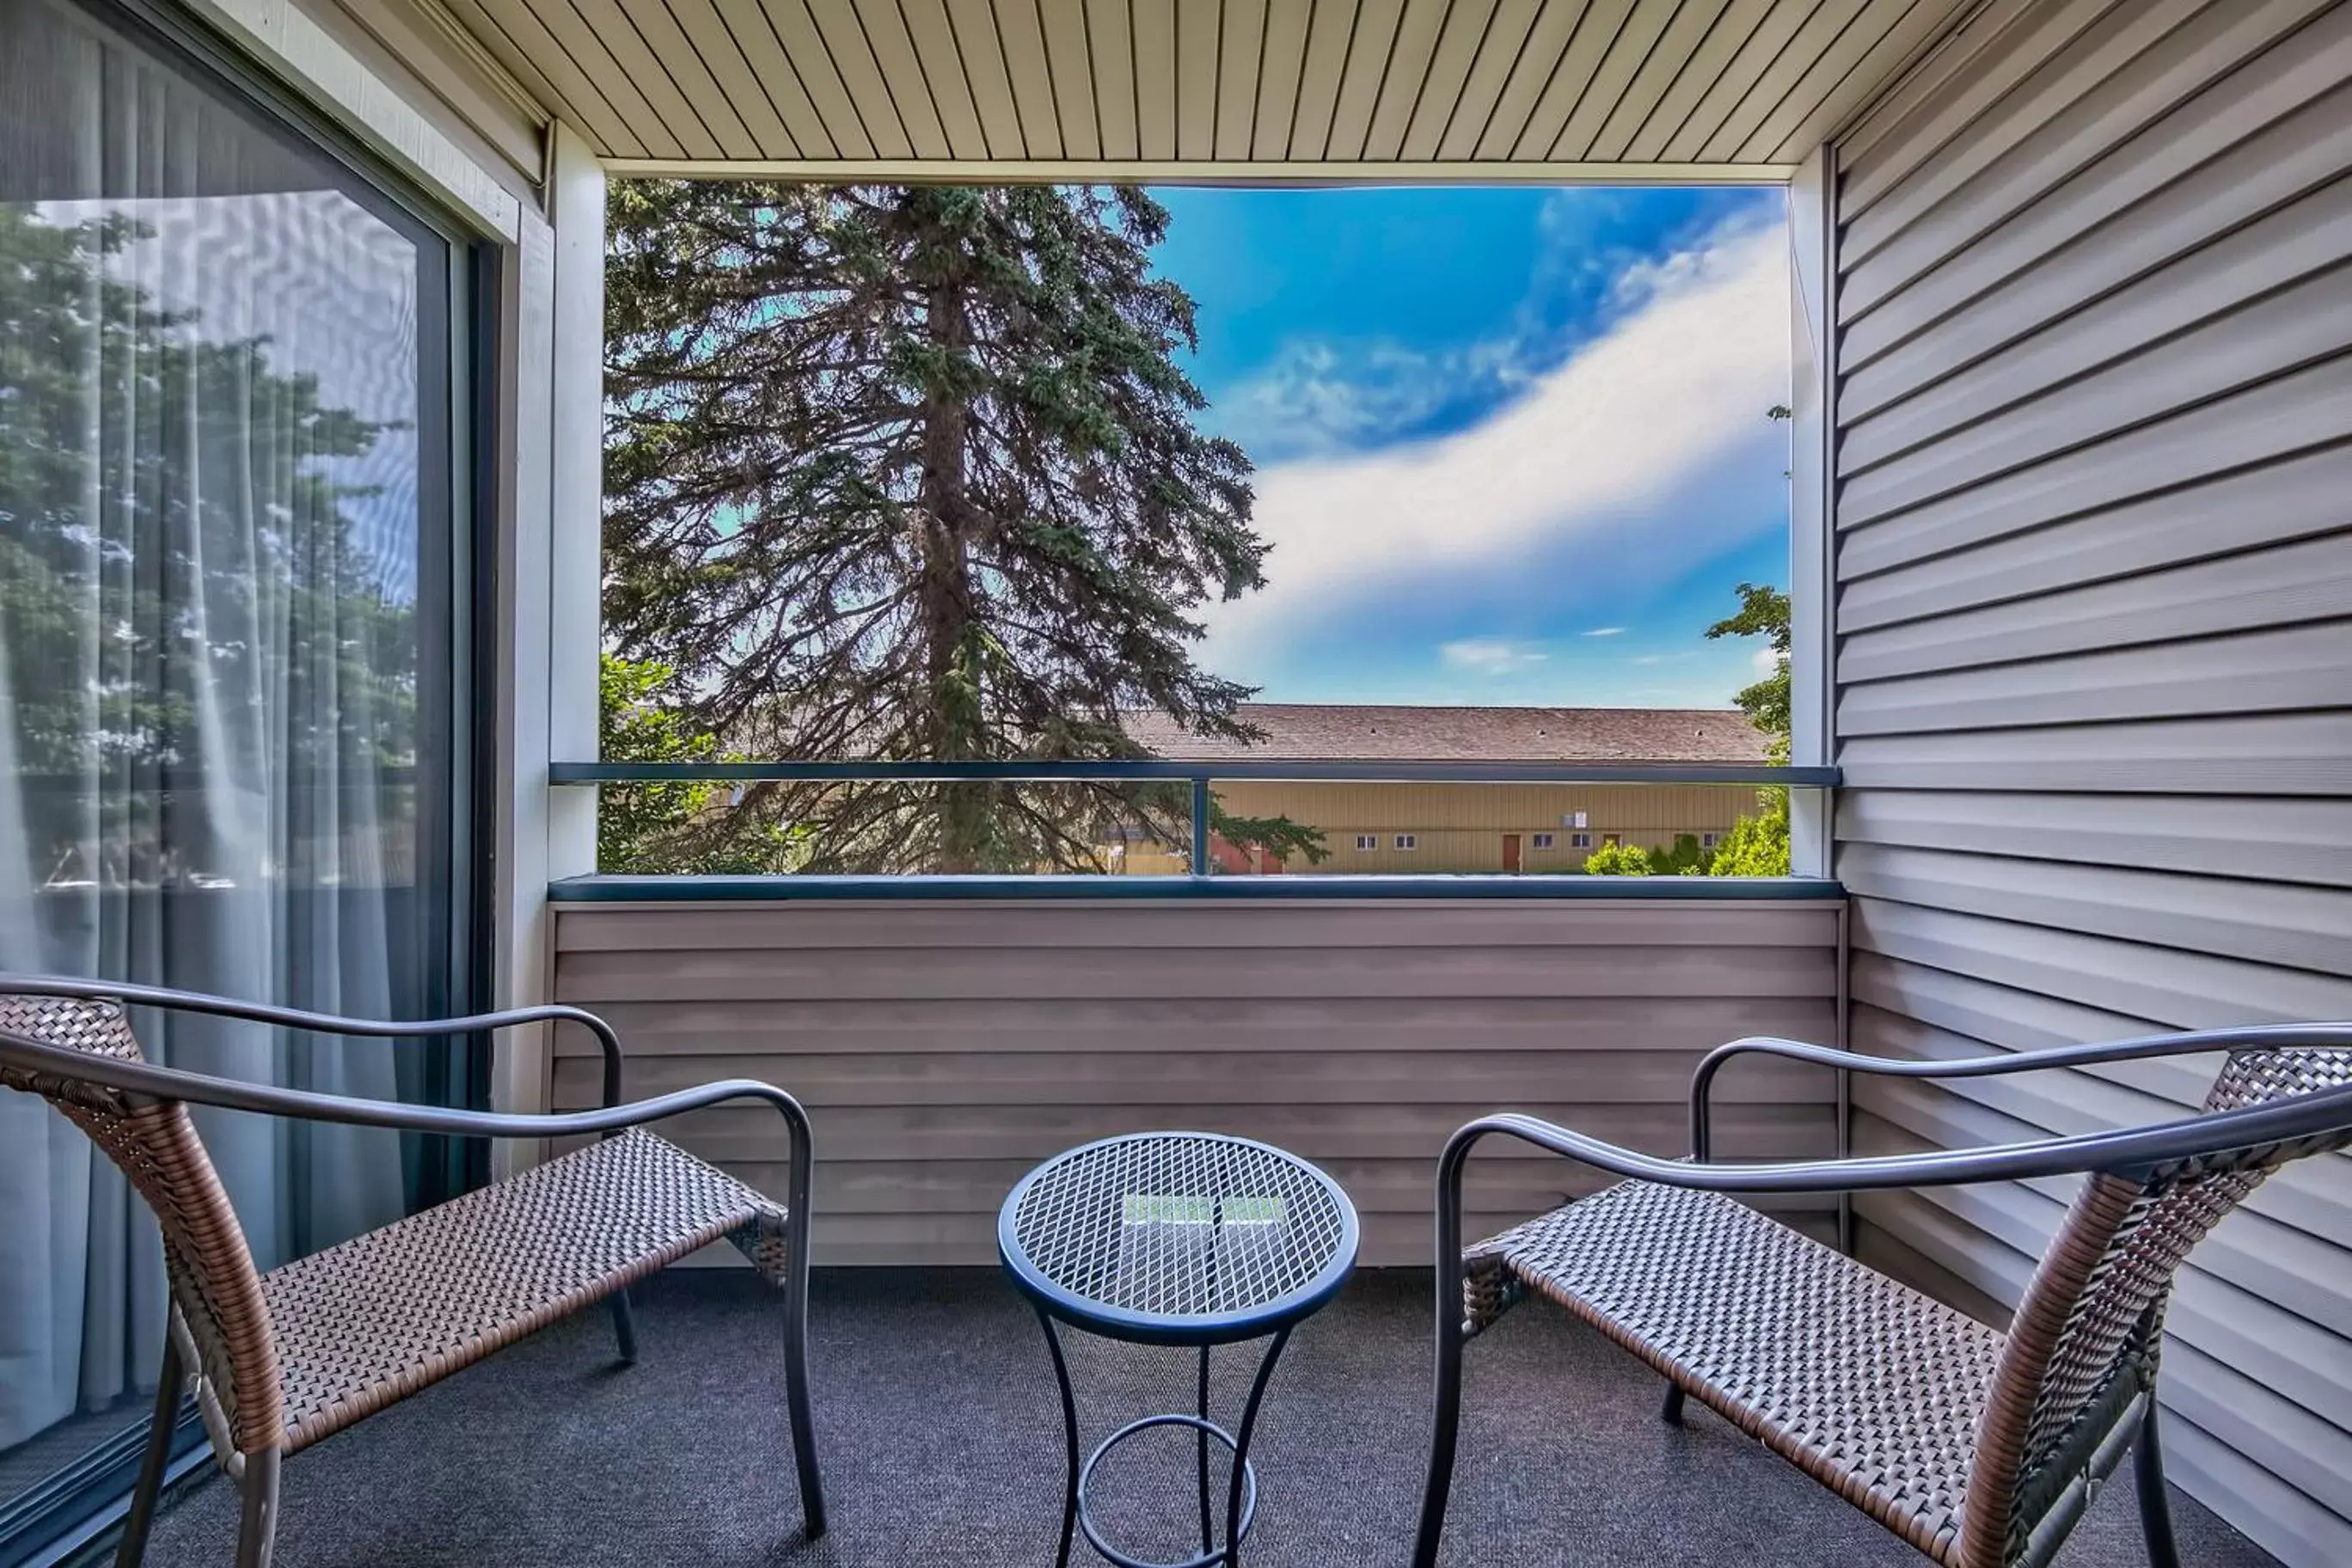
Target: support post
[[1200, 825]]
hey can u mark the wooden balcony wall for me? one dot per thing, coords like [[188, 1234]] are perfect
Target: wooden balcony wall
[[942, 1048]]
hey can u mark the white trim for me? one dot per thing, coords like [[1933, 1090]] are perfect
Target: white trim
[[277, 35], [432, 61], [1196, 172], [549, 599], [525, 467], [576, 192], [1812, 550]]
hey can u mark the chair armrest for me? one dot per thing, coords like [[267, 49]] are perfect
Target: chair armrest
[[161, 1083], [2254, 1037], [175, 1000], [2130, 1152], [146, 1080]]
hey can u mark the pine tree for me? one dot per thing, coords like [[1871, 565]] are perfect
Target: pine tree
[[909, 472]]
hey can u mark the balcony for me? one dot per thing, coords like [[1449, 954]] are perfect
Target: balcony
[[2071, 333], [935, 1406]]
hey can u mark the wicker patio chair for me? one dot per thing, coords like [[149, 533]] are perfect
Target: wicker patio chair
[[1979, 1448], [278, 1360]]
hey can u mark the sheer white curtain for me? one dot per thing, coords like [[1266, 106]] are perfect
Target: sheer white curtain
[[210, 547]]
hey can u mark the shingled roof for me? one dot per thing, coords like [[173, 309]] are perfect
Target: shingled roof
[[1382, 732]]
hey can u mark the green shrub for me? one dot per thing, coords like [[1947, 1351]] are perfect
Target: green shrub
[[1618, 860]]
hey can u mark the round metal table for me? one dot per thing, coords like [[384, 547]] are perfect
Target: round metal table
[[1176, 1238]]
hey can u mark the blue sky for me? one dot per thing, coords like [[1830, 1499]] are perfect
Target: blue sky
[[1511, 443]]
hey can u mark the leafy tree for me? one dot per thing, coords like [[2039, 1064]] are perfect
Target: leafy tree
[[237, 615], [1686, 856], [1618, 860], [910, 472], [1758, 846], [670, 827], [1764, 612]]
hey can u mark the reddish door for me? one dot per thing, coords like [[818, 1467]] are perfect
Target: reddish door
[[1511, 852]]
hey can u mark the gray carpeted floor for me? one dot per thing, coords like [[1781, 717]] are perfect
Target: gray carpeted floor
[[941, 1443]]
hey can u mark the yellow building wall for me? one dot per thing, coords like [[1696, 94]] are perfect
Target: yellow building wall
[[1460, 827]]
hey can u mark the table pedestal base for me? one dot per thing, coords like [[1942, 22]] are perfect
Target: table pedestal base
[[1241, 1488]]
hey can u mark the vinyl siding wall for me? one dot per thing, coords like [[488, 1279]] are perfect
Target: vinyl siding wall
[[2094, 649], [942, 1048]]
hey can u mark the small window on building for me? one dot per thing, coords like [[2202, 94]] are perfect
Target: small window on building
[[1367, 841], [1706, 840], [1574, 819], [1407, 841], [1579, 841], [1543, 840]]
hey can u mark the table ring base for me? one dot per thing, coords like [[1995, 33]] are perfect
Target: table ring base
[[1205, 1559], [1241, 1490]]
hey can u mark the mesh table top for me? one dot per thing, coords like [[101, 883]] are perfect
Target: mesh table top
[[1180, 1238]]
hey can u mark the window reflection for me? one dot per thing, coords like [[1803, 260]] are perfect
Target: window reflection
[[226, 689]]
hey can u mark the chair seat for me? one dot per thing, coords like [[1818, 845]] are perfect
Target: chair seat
[[1869, 1386], [367, 1322]]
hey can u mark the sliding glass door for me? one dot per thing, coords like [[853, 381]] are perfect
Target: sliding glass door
[[235, 678]]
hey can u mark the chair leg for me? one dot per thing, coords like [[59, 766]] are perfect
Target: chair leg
[[256, 1529], [134, 1548], [1674, 1407], [1445, 1423], [2155, 1505], [624, 1328], [796, 1401]]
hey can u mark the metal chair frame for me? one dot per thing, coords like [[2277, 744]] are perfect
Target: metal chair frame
[[146, 1083], [2130, 1153]]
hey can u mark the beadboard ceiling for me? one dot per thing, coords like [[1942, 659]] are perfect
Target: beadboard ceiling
[[1482, 89]]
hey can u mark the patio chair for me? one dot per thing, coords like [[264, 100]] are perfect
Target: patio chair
[[278, 1360], [1979, 1448]]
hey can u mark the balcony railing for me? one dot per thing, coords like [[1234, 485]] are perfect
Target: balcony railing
[[1200, 869]]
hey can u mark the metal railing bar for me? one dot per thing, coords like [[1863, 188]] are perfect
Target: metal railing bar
[[670, 887], [1110, 770]]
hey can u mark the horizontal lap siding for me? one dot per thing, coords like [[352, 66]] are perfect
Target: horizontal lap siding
[[2094, 653], [942, 1050]]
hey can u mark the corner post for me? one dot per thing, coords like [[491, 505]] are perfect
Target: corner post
[[552, 570], [1200, 858], [1813, 564]]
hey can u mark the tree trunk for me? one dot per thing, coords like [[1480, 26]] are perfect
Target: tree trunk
[[951, 665]]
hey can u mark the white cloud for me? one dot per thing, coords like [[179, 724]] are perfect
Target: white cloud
[[1491, 655], [1642, 450], [1320, 397], [1766, 659], [1606, 632]]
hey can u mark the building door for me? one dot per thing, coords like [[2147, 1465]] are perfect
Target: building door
[[1511, 854]]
